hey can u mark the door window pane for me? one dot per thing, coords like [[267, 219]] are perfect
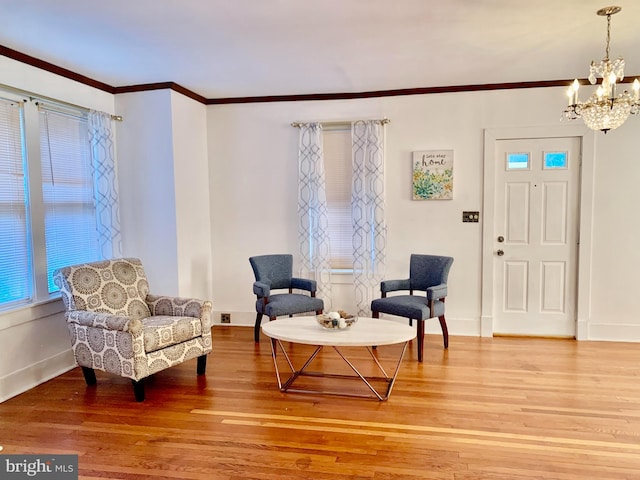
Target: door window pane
[[517, 161], [555, 160]]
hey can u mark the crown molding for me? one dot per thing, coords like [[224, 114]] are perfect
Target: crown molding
[[161, 86], [389, 93], [50, 67]]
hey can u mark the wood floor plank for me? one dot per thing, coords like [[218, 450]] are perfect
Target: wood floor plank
[[485, 409]]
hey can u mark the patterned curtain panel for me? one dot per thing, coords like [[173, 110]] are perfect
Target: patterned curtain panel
[[106, 188], [367, 207], [312, 212]]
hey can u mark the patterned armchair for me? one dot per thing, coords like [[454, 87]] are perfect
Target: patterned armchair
[[116, 326]]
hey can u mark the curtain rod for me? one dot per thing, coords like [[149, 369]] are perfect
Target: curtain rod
[[329, 124], [35, 96]]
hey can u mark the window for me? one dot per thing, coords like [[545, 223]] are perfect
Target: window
[[517, 161], [14, 256], [67, 191], [47, 209], [555, 160], [338, 174]]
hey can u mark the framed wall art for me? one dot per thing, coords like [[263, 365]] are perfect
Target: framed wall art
[[432, 175]]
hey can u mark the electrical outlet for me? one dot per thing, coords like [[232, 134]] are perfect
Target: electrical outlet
[[225, 318]]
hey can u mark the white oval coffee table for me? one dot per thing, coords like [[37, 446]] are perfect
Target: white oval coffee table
[[366, 332]]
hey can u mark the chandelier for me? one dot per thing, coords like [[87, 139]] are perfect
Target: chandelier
[[603, 110]]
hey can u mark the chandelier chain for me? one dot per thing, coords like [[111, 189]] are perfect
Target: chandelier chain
[[608, 36]]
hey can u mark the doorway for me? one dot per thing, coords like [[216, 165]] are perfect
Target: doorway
[[533, 249]]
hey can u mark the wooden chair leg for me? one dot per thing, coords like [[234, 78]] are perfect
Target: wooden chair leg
[[420, 336], [138, 389], [89, 375], [445, 331], [256, 328], [202, 365]]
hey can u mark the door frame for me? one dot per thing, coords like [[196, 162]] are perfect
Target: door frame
[[585, 212]]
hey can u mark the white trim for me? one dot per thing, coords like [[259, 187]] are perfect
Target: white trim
[[342, 277], [585, 246], [29, 377], [31, 312], [613, 332], [491, 136], [467, 327]]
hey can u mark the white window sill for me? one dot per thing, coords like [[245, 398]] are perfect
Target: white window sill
[[30, 312], [342, 277]]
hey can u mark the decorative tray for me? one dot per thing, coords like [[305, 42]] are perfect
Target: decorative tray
[[339, 320]]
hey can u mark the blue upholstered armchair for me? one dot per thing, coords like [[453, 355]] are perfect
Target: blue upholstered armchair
[[427, 273], [274, 272]]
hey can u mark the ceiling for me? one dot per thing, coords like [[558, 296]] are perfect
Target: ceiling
[[239, 48]]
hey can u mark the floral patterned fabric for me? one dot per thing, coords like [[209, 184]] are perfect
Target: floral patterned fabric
[[117, 327]]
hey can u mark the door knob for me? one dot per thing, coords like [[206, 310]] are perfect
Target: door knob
[[500, 253], [500, 239]]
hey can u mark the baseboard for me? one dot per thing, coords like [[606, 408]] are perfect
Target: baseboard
[[613, 333], [465, 327], [469, 327], [582, 329], [25, 379]]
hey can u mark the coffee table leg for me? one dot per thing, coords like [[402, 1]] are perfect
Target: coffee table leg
[[375, 359], [390, 380], [274, 348], [362, 377], [294, 373], [284, 387], [395, 373]]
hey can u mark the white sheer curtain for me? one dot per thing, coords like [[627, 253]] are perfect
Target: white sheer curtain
[[312, 212], [106, 187], [367, 207]]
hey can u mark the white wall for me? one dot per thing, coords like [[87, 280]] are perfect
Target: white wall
[[147, 186], [193, 206], [615, 307], [34, 341], [164, 191], [253, 171]]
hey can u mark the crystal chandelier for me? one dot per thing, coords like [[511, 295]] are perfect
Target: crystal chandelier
[[603, 110]]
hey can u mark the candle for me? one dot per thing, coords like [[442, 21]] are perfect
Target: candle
[[612, 84], [575, 86], [636, 89]]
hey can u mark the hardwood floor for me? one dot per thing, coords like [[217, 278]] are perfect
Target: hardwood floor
[[486, 409]]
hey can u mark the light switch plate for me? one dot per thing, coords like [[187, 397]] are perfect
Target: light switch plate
[[472, 217]]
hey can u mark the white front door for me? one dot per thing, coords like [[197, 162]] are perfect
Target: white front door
[[535, 236]]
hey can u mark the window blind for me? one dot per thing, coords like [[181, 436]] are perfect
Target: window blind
[[15, 281], [68, 190], [338, 174]]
